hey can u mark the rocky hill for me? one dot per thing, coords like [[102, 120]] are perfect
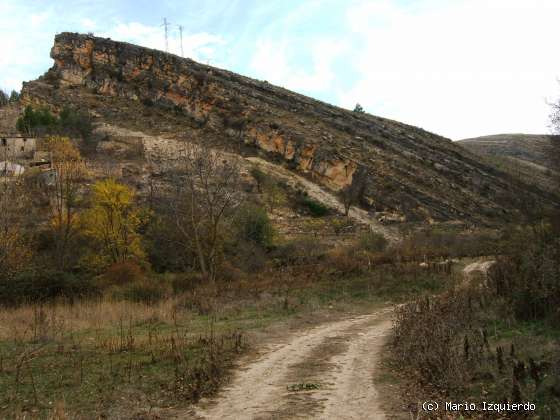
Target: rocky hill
[[531, 157], [408, 173]]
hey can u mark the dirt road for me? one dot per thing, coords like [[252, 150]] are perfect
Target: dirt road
[[323, 373]]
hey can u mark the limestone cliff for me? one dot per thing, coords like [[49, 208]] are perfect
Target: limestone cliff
[[407, 171]]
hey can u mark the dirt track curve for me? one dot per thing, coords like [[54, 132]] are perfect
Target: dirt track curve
[[322, 373]]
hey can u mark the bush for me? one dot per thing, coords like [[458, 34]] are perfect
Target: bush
[[260, 177], [74, 123], [44, 285], [433, 243], [147, 101], [145, 291], [122, 273], [298, 252], [253, 225], [315, 208], [373, 242], [186, 282], [528, 276], [429, 334]]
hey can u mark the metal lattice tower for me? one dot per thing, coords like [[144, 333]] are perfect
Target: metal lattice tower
[[181, 38], [165, 27]]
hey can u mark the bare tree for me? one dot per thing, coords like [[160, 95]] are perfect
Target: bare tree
[[15, 251], [63, 193], [353, 193], [63, 197], [206, 191]]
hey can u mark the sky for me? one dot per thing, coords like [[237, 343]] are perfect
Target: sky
[[459, 68]]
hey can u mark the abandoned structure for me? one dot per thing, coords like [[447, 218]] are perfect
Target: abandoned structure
[[10, 169], [17, 147]]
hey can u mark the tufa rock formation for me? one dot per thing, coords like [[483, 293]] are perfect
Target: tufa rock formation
[[406, 171]]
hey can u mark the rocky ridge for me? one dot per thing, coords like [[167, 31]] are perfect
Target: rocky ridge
[[406, 171]]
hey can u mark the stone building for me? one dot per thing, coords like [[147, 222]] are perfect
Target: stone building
[[10, 169], [17, 147]]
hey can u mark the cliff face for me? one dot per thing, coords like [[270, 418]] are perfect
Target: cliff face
[[405, 170]]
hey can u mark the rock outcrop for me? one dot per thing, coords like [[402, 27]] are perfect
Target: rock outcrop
[[404, 170]]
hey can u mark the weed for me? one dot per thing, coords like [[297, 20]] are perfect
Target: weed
[[303, 387]]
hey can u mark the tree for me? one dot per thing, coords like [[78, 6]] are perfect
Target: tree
[[70, 122], [63, 195], [113, 222], [33, 122], [274, 195], [353, 193], [4, 99], [15, 250], [206, 194], [260, 178], [358, 108], [14, 96], [253, 225]]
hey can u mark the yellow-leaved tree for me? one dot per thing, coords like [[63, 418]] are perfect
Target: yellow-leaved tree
[[112, 222]]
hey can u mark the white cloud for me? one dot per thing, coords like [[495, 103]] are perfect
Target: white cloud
[[37, 19], [18, 52], [272, 61], [88, 24], [461, 69]]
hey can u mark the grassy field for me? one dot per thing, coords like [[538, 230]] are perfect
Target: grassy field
[[104, 357]]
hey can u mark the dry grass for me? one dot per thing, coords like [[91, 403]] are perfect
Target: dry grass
[[55, 320]]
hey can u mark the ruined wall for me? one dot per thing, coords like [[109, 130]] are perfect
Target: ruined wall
[[16, 147]]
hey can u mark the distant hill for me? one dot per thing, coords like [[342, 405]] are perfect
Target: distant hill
[[531, 157]]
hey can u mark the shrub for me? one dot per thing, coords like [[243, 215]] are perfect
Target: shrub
[[372, 242], [528, 276], [253, 225], [122, 273], [315, 208], [33, 122], [146, 291], [342, 225], [44, 285], [186, 282], [147, 101], [428, 337], [298, 252], [260, 177], [70, 122]]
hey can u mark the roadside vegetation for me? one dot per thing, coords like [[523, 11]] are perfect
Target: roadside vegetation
[[494, 339]]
